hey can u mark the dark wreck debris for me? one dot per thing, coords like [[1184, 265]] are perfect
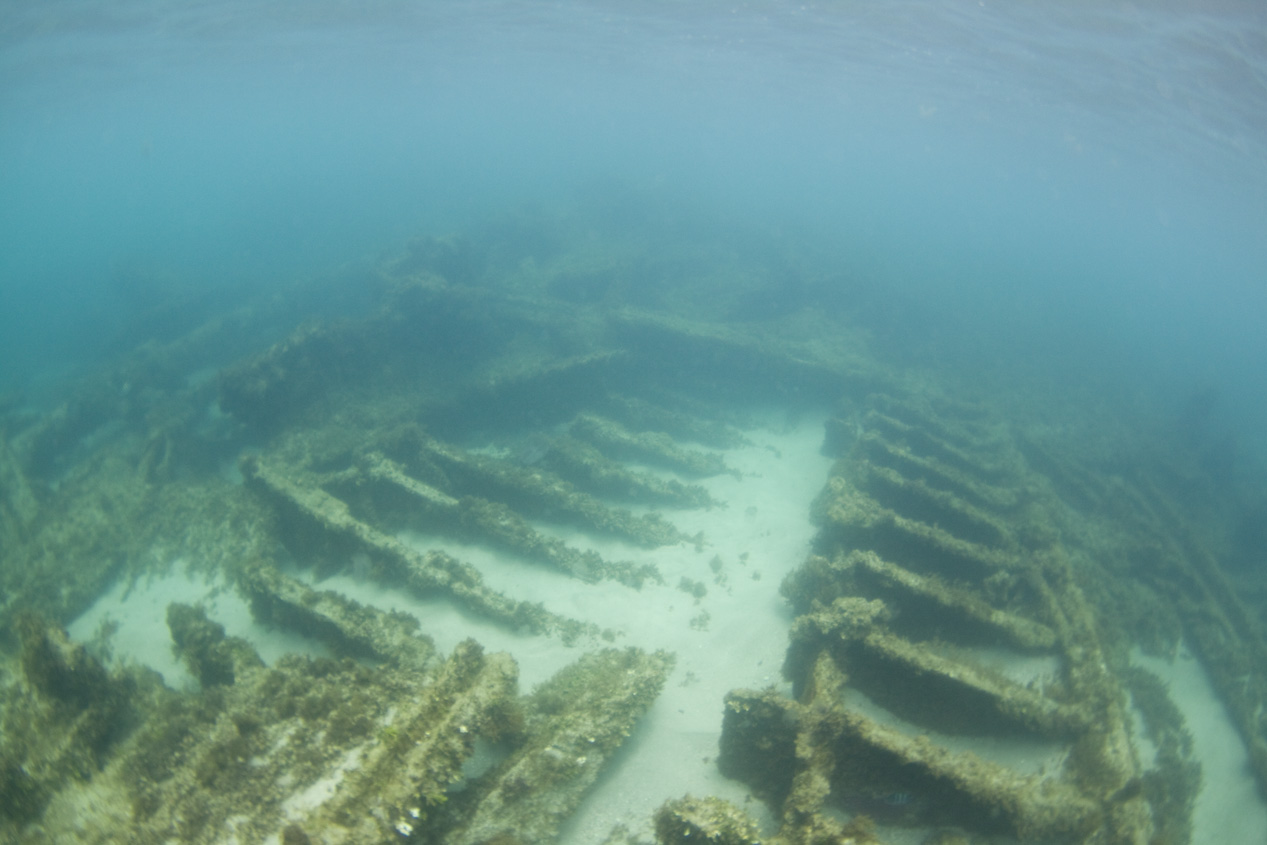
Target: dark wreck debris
[[586, 466], [213, 658], [417, 318], [346, 627], [615, 440], [958, 653], [809, 760], [912, 680], [19, 504], [573, 724], [60, 669], [930, 604], [312, 517], [690, 820], [532, 489], [312, 750], [926, 568], [476, 519], [418, 753], [703, 427], [61, 721]]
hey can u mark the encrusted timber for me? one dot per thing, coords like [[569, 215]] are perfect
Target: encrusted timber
[[925, 687], [483, 521], [267, 391], [19, 505], [1218, 624], [94, 702], [643, 415], [1106, 762], [982, 462], [587, 467], [1214, 619], [724, 358], [689, 820], [611, 437], [1020, 631], [529, 490], [325, 521], [759, 745], [971, 426], [1232, 648], [348, 628], [923, 605], [576, 721], [420, 754], [1221, 630], [42, 448], [416, 318], [938, 475], [142, 388], [1073, 483], [1030, 809], [915, 499], [979, 691], [1239, 679], [852, 519], [536, 396]]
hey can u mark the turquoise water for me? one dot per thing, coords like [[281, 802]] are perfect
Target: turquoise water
[[1078, 186]]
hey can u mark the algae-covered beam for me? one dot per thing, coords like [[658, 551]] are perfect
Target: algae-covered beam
[[778, 365], [1010, 702], [916, 681], [1021, 631], [480, 520], [917, 500], [534, 490], [652, 447], [1106, 762], [983, 462], [348, 628], [690, 820], [576, 721], [211, 657], [587, 467], [974, 427], [927, 602], [400, 779], [760, 746], [643, 415], [855, 520], [876, 449], [319, 512], [961, 781], [529, 393], [18, 503]]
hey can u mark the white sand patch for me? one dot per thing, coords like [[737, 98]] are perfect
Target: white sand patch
[[139, 615], [1229, 809]]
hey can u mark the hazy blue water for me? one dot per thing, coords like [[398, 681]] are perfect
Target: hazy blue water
[[1081, 181]]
